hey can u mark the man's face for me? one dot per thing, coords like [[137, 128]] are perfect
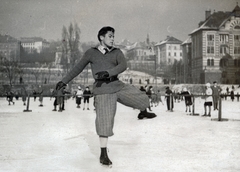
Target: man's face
[[108, 39]]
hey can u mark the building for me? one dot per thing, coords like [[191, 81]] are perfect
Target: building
[[34, 44], [216, 48], [9, 48], [141, 57], [168, 51]]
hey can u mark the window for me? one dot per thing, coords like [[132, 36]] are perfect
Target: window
[[180, 54], [169, 54], [210, 62], [175, 54], [223, 49], [210, 44], [236, 39], [223, 38]]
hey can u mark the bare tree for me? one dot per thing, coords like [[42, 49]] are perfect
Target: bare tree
[[11, 68], [36, 73], [50, 65], [70, 45]]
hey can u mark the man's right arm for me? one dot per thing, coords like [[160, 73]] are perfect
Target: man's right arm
[[77, 69]]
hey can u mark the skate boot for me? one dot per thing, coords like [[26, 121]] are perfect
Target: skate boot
[[145, 114], [104, 160]]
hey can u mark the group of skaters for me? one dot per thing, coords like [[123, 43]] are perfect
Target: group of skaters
[[155, 97], [78, 95], [211, 95], [23, 93], [231, 93], [85, 94]]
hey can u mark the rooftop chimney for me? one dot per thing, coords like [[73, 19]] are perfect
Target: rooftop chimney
[[207, 14]]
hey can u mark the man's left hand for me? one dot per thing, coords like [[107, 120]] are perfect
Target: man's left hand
[[102, 75]]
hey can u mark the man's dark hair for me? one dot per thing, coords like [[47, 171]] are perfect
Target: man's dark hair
[[104, 30]]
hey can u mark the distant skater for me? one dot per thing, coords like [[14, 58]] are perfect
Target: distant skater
[[79, 95], [24, 95], [216, 95], [169, 99], [10, 96], [40, 94], [232, 95], [187, 99], [86, 96], [208, 100]]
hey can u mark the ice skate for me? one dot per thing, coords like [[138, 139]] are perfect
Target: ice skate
[[145, 114], [104, 160]]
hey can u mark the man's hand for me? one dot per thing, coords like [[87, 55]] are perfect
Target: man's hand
[[102, 75], [59, 85]]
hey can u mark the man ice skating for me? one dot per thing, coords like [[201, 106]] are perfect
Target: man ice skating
[[106, 63]]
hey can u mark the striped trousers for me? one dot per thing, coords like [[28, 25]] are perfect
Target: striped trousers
[[106, 106]]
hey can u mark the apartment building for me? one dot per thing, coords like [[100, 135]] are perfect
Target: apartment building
[[168, 50], [34, 44], [9, 48], [216, 48]]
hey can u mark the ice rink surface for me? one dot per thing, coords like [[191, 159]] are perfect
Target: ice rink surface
[[43, 140]]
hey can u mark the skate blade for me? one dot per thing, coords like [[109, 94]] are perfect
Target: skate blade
[[105, 165]]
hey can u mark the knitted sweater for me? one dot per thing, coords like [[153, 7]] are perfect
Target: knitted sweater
[[113, 62]]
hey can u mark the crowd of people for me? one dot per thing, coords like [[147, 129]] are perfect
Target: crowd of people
[[212, 94]]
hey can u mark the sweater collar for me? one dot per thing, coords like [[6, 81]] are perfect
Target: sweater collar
[[104, 50]]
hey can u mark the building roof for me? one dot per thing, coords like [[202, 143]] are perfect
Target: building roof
[[139, 45], [169, 40], [32, 39], [236, 11], [187, 41], [215, 20], [7, 39]]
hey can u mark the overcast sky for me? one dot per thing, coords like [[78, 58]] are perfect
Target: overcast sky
[[132, 19]]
